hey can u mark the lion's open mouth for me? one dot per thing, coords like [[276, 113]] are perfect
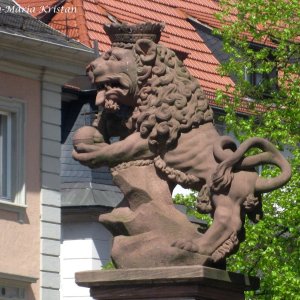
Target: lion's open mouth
[[112, 91]]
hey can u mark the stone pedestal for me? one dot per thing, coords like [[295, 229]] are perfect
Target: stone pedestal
[[183, 282]]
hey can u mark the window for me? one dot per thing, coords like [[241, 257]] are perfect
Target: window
[[266, 82], [15, 287], [11, 292], [5, 153], [253, 78], [256, 78], [11, 152]]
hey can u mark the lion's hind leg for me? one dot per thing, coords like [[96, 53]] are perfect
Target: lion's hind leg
[[221, 239]]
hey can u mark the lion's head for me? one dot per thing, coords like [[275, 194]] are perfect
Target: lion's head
[[163, 97]]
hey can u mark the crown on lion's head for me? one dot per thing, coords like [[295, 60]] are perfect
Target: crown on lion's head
[[169, 99]]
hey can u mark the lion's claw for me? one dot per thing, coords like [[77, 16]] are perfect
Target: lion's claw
[[187, 245]]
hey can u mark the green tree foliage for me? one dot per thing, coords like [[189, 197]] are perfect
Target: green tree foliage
[[272, 247], [271, 250]]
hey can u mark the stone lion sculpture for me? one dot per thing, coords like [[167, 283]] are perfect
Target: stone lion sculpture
[[167, 137]]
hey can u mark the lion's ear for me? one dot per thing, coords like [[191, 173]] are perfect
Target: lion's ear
[[146, 49]]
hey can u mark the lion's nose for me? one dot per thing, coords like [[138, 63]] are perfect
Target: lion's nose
[[90, 70], [91, 67]]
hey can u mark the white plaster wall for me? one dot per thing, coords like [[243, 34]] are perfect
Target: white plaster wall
[[84, 246]]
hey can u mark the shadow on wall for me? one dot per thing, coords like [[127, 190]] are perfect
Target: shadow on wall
[[15, 216]]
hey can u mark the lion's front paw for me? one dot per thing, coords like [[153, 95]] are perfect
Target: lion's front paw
[[187, 245]]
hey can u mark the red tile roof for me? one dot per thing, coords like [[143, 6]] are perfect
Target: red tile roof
[[205, 12], [86, 25], [84, 19]]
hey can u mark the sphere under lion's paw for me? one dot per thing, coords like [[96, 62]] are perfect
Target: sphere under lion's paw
[[87, 135]]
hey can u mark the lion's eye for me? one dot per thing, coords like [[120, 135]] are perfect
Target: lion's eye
[[113, 57], [106, 55]]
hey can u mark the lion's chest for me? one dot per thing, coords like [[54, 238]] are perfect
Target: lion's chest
[[194, 152]]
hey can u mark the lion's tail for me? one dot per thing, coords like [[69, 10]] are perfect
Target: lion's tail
[[270, 156]]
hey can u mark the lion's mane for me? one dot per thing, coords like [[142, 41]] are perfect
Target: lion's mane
[[170, 100]]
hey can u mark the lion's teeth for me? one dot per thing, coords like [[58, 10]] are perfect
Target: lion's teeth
[[100, 98], [108, 86]]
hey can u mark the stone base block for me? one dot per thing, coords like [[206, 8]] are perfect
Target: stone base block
[[183, 282]]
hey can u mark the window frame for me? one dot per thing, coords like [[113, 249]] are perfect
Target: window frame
[[256, 79], [21, 290], [15, 108], [8, 146], [15, 281]]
